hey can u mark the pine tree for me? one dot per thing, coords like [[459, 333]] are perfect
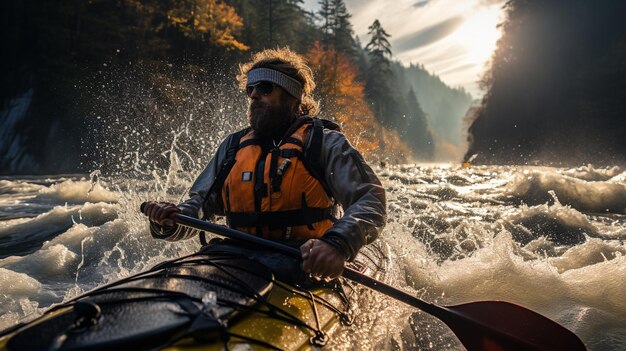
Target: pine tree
[[336, 27], [326, 16], [379, 72], [379, 47], [343, 39]]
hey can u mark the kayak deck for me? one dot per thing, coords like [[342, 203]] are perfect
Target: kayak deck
[[205, 301]]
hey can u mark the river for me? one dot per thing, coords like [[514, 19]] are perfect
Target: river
[[550, 239]]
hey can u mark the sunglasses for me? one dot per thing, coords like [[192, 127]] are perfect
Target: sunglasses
[[263, 88]]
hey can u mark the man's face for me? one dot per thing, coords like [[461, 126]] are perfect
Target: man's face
[[270, 111]]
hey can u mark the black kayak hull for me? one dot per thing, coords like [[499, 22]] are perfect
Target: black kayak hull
[[226, 294]]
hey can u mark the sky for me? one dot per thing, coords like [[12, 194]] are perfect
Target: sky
[[453, 39]]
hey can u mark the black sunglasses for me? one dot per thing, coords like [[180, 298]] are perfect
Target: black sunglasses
[[263, 88]]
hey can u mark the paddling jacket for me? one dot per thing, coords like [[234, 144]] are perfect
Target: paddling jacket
[[292, 191]]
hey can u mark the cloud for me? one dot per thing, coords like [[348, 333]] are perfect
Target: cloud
[[491, 2], [457, 69], [421, 3], [446, 36], [428, 35]]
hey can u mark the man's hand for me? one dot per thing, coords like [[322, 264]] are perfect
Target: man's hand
[[161, 213], [321, 260]]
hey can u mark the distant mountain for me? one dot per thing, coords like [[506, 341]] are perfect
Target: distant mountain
[[445, 108]]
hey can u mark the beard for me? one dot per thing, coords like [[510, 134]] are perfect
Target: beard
[[270, 121]]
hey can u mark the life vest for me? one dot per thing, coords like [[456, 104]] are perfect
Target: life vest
[[278, 193]]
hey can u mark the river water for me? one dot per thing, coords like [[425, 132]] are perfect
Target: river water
[[552, 240]]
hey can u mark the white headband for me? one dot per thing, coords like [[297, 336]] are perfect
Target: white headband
[[292, 86]]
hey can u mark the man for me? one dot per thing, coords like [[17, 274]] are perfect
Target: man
[[287, 176]]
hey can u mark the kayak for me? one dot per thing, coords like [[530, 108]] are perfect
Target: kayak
[[228, 296]]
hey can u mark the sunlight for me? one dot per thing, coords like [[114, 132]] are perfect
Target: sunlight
[[479, 34]]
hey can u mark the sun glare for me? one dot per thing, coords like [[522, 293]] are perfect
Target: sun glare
[[479, 34]]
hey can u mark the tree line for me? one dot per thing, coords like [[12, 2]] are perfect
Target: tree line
[[556, 88], [55, 47]]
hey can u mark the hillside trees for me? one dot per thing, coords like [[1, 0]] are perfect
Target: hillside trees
[[344, 101], [394, 107], [556, 87], [68, 52], [343, 97], [419, 139], [272, 23]]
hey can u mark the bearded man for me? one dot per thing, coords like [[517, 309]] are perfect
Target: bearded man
[[287, 177]]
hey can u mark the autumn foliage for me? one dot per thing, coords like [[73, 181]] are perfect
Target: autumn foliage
[[211, 21], [343, 100]]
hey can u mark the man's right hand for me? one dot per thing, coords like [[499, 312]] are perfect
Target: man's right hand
[[161, 213]]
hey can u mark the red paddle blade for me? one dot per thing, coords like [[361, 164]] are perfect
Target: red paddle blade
[[499, 326]]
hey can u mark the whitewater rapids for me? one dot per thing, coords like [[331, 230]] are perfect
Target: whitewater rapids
[[552, 240]]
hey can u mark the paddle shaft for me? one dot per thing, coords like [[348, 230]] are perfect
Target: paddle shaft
[[348, 273]]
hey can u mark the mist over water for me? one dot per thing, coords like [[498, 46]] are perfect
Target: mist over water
[[550, 239]]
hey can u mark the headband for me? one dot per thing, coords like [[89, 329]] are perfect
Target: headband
[[292, 86]]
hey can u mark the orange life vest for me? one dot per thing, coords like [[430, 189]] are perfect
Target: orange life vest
[[272, 193]]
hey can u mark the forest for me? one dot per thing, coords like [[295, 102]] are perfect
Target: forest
[[556, 86], [84, 82]]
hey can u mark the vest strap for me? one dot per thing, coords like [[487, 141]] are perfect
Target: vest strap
[[289, 153], [290, 140], [248, 142], [276, 180], [227, 165]]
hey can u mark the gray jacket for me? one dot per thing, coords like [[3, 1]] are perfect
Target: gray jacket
[[351, 181]]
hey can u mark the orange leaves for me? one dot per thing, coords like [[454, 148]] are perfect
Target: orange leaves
[[335, 75], [208, 20], [342, 96], [343, 99]]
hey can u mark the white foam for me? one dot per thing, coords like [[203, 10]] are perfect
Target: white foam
[[592, 286], [18, 187], [72, 238], [565, 215], [533, 186], [15, 283], [590, 173], [18, 297], [620, 178], [51, 263], [591, 252], [58, 220], [493, 266], [580, 285], [78, 191], [119, 248], [496, 272]]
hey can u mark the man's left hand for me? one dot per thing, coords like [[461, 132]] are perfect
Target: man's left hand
[[321, 260]]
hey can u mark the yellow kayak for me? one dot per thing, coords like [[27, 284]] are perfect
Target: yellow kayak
[[223, 298]]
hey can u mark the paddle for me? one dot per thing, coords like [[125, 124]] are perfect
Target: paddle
[[482, 325]]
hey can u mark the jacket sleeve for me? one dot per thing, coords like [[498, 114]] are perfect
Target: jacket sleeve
[[197, 206], [359, 191]]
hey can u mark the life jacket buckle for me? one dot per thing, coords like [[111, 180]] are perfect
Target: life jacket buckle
[[287, 233]]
